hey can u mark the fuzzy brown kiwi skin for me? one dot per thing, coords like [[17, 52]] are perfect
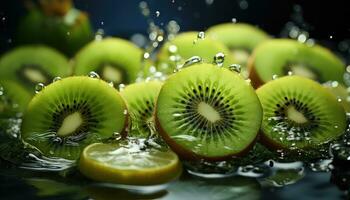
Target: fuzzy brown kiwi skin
[[190, 156], [253, 75]]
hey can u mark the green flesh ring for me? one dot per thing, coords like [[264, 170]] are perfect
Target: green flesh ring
[[208, 112], [116, 60], [30, 65], [141, 98], [71, 113], [282, 56], [186, 45], [299, 114]]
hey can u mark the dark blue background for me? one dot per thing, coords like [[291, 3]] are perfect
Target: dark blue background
[[123, 18]]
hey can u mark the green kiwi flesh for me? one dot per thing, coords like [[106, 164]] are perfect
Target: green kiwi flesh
[[281, 56], [67, 33], [240, 38], [299, 114], [71, 113], [30, 65], [208, 112], [141, 98], [186, 45], [115, 60], [13, 97]]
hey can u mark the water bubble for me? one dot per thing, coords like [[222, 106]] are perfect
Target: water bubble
[[331, 37], [201, 35], [243, 4], [191, 61], [144, 8], [99, 34], [219, 59], [111, 84], [235, 68], [157, 13], [39, 87], [125, 112], [290, 73], [234, 20], [172, 49], [274, 77], [93, 74], [56, 79], [209, 2], [1, 90], [3, 19], [139, 39], [302, 38], [117, 136], [146, 55], [121, 87]]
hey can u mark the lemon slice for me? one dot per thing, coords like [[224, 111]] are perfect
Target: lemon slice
[[132, 164]]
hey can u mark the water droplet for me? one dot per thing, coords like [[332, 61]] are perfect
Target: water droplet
[[39, 87], [121, 87], [335, 84], [234, 20], [144, 8], [201, 35], [172, 49], [290, 73], [56, 79], [302, 38], [99, 34], [93, 74], [235, 68], [125, 112], [3, 19], [146, 55], [117, 136], [102, 23], [219, 59], [274, 77], [331, 37], [209, 2], [243, 4], [111, 84], [1, 90], [157, 13], [191, 61]]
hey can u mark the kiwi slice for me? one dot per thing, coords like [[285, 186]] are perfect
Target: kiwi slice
[[67, 33], [208, 112], [340, 92], [299, 114], [13, 97], [240, 38], [115, 60], [187, 45], [30, 65], [71, 113], [282, 56], [140, 98]]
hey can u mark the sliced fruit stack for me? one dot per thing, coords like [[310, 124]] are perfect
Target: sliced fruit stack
[[207, 110]]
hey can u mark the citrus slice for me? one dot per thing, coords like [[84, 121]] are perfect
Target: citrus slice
[[131, 163]]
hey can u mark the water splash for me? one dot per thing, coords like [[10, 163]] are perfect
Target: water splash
[[235, 68]]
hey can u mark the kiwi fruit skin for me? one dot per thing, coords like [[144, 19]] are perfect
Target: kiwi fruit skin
[[13, 98], [48, 61], [238, 36], [188, 45], [325, 97], [272, 56], [123, 55], [66, 95], [206, 70], [66, 33], [140, 99]]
